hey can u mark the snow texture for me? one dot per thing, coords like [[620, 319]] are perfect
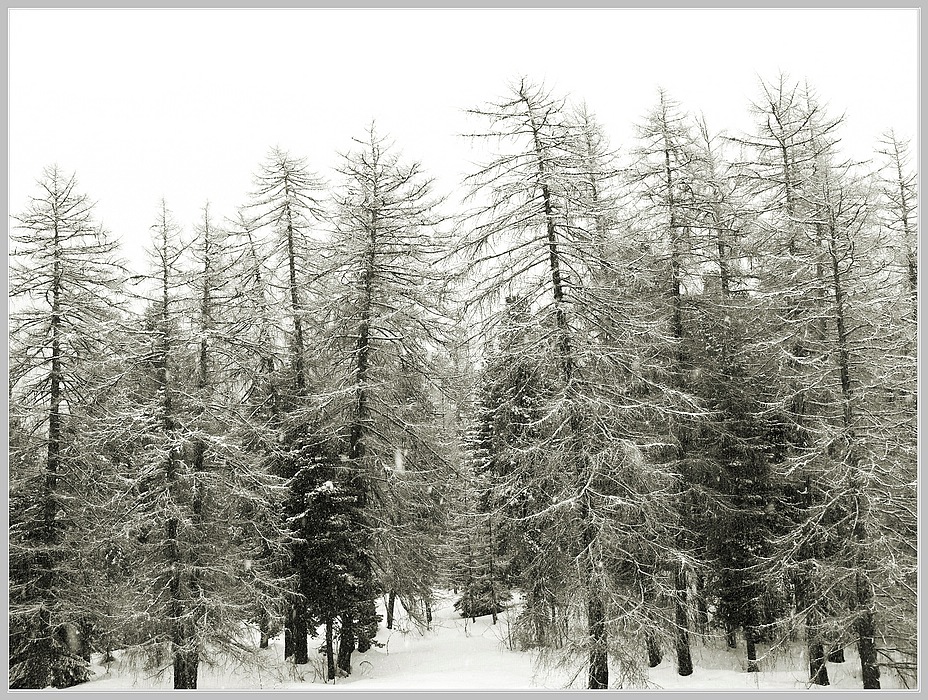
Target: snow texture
[[457, 654]]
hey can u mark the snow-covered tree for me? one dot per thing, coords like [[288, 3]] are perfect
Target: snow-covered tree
[[898, 187], [823, 269], [63, 282], [279, 238], [189, 497], [893, 419], [381, 312], [529, 237]]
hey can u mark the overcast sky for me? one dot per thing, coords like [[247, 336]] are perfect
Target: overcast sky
[[184, 104]]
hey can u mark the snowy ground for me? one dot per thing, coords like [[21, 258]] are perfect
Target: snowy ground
[[459, 654]]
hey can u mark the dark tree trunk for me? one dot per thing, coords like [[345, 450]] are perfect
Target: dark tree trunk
[[681, 630], [702, 608], [599, 660], [818, 672], [346, 645], [329, 652], [186, 663], [654, 651], [731, 638], [299, 347], [300, 644], [428, 614], [391, 602], [750, 639], [866, 633], [264, 625], [85, 637], [836, 655], [288, 632]]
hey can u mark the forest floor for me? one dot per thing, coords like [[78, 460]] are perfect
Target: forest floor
[[459, 654]]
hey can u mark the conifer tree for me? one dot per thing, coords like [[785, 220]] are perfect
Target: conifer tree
[[63, 281], [666, 161], [529, 237], [893, 417], [284, 207], [190, 499], [780, 165], [383, 324]]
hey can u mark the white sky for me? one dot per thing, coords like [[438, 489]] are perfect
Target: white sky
[[185, 104]]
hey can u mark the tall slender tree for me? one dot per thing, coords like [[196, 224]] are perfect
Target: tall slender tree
[[63, 282], [383, 327], [666, 160], [284, 207], [529, 237], [780, 164], [734, 436]]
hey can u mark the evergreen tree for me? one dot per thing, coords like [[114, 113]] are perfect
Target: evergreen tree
[[383, 325], [500, 446], [284, 207], [63, 280], [414, 505], [194, 498], [780, 167], [892, 409], [531, 238], [666, 160]]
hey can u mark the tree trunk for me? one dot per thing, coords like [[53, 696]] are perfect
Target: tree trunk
[[836, 655], [731, 638], [599, 660], [818, 672], [346, 644], [85, 637], [428, 614], [49, 537], [298, 342], [300, 644], [329, 653], [750, 638], [186, 663], [264, 625], [654, 651], [702, 608], [391, 602], [288, 632], [866, 633], [681, 630]]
